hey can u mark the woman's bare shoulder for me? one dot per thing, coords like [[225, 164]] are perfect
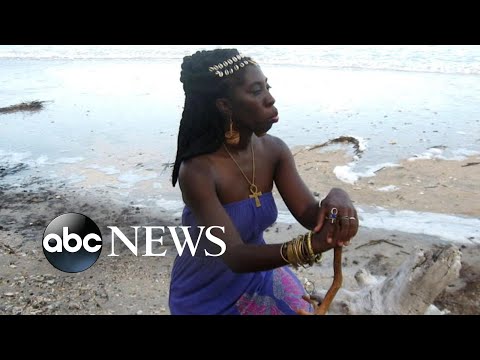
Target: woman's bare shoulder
[[274, 144], [198, 166]]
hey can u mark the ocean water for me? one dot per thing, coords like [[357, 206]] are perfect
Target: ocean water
[[116, 109]]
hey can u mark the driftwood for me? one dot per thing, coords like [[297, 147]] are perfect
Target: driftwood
[[410, 290], [341, 139], [31, 106]]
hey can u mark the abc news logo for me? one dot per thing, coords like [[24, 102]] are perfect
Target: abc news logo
[[73, 242]]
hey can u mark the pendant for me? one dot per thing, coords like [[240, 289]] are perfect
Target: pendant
[[255, 194]]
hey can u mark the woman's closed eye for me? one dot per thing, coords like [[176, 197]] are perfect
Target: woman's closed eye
[[257, 90]]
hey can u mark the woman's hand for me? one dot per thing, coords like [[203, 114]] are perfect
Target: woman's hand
[[342, 223]]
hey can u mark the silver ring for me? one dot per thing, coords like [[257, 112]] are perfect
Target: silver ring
[[352, 218]]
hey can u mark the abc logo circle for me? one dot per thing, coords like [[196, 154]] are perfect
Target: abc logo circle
[[72, 242]]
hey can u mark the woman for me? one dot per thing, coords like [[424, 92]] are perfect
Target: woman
[[226, 166]]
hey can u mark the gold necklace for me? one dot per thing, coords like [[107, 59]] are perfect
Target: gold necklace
[[253, 188]]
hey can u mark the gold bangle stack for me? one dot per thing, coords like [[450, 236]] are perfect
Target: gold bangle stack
[[299, 251]]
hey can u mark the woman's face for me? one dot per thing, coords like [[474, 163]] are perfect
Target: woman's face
[[252, 104]]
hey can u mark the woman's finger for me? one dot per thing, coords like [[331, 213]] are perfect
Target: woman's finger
[[332, 223], [344, 225], [353, 229], [320, 219]]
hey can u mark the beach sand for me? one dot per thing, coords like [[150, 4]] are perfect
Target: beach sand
[[130, 284], [434, 185]]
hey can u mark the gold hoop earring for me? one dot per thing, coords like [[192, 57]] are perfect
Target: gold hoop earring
[[232, 137]]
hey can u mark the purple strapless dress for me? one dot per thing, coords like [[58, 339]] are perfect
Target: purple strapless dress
[[206, 286]]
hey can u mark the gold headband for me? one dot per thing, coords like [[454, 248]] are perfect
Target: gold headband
[[230, 65]]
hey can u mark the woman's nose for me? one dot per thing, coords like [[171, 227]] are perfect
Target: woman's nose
[[270, 100]]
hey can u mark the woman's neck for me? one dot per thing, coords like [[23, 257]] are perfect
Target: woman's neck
[[245, 140]]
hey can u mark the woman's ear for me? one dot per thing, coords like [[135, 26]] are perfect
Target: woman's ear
[[223, 105]]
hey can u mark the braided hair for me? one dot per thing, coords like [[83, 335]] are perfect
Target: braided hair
[[202, 127]]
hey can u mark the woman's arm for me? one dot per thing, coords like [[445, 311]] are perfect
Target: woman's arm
[[305, 208], [296, 195]]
